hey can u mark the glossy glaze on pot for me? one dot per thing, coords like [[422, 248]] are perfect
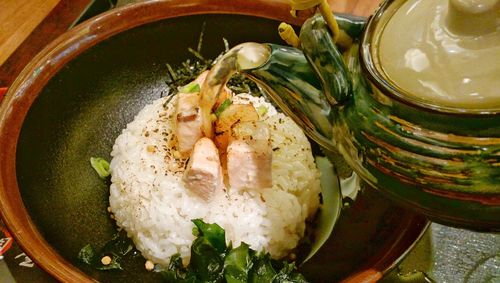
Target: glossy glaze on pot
[[442, 52], [451, 155], [444, 165]]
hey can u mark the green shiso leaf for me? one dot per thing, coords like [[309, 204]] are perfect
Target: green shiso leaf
[[223, 106], [190, 88], [101, 166]]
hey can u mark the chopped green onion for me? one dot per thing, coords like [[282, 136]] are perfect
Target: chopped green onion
[[224, 105], [101, 166], [190, 88], [262, 110]]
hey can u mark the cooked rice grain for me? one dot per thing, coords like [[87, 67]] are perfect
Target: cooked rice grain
[[149, 201]]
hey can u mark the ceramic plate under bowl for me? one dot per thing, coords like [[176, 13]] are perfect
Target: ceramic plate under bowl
[[75, 98]]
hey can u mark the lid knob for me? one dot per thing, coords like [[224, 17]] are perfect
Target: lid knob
[[473, 17]]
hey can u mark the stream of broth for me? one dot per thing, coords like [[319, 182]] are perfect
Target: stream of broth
[[244, 56]]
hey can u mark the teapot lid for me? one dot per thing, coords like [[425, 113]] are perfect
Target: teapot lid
[[444, 53]]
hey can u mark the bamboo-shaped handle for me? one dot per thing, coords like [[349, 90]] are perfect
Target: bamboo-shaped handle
[[338, 36]]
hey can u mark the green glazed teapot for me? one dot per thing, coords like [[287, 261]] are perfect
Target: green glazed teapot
[[437, 153]]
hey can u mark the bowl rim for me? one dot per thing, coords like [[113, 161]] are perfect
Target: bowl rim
[[28, 85]]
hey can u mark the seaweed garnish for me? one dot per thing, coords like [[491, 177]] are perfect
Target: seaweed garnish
[[214, 261], [188, 70], [114, 250]]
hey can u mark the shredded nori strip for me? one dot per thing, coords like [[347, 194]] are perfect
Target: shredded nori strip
[[187, 71]]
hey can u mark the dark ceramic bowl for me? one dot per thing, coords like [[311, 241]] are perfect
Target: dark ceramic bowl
[[73, 99]]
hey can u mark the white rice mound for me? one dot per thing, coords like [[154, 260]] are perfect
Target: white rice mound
[[148, 200]]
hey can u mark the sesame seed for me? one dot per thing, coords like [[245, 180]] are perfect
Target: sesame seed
[[106, 260], [149, 265]]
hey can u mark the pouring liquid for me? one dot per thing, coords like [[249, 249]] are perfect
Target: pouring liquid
[[244, 56], [430, 51]]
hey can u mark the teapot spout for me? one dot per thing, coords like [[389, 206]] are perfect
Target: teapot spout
[[291, 83], [307, 84]]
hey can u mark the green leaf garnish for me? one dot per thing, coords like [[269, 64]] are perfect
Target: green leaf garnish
[[238, 263], [118, 247], [87, 254], [101, 166], [289, 274], [214, 261], [262, 270], [114, 264], [190, 88], [262, 110], [223, 106], [206, 261], [213, 233], [176, 271], [195, 231]]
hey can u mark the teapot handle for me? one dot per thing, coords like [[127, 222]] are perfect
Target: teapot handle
[[326, 60]]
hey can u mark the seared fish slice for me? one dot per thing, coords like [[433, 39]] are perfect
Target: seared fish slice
[[249, 156], [204, 175], [235, 113], [188, 118]]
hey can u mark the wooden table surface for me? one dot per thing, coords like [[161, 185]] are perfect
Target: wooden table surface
[[26, 26], [18, 18]]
